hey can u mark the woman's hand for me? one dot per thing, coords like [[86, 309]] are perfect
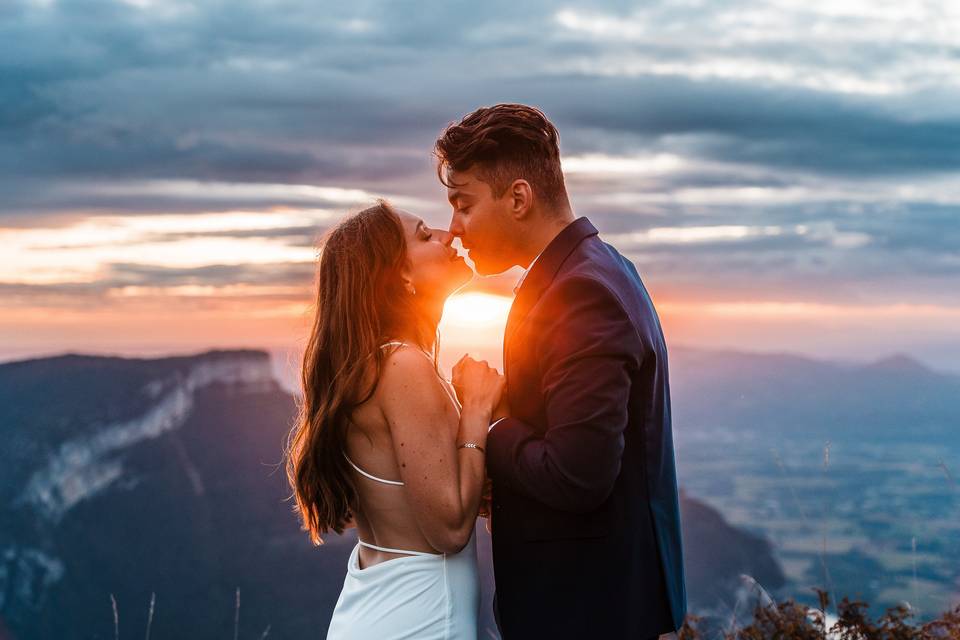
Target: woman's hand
[[478, 385]]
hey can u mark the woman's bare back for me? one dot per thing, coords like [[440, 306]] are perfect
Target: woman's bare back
[[384, 516]]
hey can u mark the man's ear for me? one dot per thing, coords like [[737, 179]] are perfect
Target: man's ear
[[521, 199]]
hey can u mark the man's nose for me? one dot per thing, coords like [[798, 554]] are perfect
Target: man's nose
[[446, 237], [456, 229]]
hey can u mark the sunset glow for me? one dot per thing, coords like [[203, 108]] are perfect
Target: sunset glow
[[470, 310], [84, 251]]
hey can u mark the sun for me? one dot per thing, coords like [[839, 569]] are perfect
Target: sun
[[476, 310]]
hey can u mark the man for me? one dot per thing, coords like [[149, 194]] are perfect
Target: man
[[585, 514]]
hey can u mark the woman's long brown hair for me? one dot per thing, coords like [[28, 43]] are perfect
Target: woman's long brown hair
[[361, 303]]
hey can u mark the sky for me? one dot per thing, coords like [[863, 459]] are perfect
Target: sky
[[783, 173]]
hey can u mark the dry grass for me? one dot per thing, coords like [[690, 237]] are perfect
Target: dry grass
[[789, 620], [153, 601]]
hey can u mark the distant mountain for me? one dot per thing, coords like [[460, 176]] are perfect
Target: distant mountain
[[136, 476], [894, 398], [900, 364]]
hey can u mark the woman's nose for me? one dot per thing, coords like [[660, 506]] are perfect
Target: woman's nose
[[445, 237]]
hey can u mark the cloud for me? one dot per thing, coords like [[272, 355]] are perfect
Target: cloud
[[700, 137], [874, 48]]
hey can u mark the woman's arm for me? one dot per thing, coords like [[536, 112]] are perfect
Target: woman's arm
[[443, 482]]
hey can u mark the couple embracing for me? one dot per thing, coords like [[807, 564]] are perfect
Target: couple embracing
[[569, 453]]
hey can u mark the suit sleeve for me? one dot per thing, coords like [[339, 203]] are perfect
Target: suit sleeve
[[586, 348]]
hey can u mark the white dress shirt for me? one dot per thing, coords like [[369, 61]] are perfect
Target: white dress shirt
[[525, 272]]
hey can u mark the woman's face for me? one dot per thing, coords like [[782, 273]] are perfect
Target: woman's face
[[436, 270]]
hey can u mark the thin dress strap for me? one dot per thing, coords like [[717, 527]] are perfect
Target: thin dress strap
[[353, 464], [389, 550]]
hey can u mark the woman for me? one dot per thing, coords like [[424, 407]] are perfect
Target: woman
[[382, 442]]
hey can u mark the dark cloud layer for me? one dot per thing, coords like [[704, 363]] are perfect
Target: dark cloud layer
[[283, 91], [853, 137]]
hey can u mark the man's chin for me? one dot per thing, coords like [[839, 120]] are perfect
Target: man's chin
[[484, 268]]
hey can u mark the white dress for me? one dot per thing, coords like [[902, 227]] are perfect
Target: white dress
[[427, 596]]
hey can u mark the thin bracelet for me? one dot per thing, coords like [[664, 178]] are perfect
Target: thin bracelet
[[471, 445]]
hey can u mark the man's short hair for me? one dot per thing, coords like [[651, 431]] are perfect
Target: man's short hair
[[505, 142]]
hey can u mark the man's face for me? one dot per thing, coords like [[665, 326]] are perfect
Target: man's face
[[482, 221]]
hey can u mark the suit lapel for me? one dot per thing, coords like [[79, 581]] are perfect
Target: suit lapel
[[542, 274]]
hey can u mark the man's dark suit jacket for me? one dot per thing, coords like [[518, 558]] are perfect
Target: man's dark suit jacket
[[586, 518]]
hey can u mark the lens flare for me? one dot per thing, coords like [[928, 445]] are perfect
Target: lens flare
[[476, 310]]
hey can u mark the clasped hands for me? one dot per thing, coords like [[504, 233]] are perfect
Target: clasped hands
[[470, 378]]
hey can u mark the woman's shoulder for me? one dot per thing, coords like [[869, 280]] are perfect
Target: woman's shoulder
[[409, 379], [405, 363]]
